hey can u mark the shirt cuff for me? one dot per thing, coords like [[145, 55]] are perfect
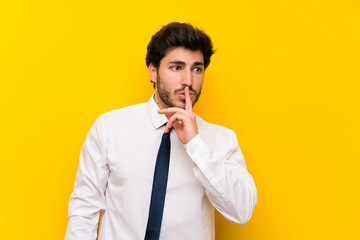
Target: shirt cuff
[[196, 148], [200, 153]]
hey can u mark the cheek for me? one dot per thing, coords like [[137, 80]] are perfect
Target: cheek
[[198, 81], [171, 79], [168, 75]]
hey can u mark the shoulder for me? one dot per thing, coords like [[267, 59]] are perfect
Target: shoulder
[[211, 127], [215, 132], [122, 117], [124, 112]]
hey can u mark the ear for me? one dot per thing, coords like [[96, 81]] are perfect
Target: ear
[[152, 73]]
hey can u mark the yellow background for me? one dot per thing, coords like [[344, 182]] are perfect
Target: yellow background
[[285, 78]]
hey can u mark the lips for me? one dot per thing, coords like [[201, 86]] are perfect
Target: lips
[[182, 95]]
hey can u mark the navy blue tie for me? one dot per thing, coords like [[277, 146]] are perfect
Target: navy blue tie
[[159, 189]]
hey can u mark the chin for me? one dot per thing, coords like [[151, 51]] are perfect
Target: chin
[[181, 104], [176, 102]]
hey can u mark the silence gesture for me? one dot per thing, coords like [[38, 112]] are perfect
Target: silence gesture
[[184, 121]]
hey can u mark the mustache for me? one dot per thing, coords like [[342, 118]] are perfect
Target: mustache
[[183, 89]]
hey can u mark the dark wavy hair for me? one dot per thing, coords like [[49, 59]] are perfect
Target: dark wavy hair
[[177, 34]]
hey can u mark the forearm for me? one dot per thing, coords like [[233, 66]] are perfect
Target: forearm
[[228, 185], [82, 227]]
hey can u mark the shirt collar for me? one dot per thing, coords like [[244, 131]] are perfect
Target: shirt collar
[[157, 119]]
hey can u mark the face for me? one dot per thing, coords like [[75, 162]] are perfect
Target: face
[[179, 68]]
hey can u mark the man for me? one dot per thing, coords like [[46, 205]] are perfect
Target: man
[[144, 192]]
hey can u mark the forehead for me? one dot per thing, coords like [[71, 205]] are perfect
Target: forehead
[[183, 54]]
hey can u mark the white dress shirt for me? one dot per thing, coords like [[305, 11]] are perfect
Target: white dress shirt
[[116, 171]]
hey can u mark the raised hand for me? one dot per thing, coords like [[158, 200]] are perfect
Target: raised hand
[[184, 121]]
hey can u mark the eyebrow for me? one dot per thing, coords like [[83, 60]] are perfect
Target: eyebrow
[[198, 64], [183, 63]]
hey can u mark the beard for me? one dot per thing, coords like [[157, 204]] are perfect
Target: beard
[[165, 94]]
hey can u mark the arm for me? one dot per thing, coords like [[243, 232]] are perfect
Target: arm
[[228, 185], [87, 198]]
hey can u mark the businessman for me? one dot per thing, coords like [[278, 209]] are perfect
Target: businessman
[[156, 170]]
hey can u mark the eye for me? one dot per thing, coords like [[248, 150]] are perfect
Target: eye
[[198, 70], [176, 68]]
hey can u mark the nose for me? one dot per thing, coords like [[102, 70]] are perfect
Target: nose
[[187, 78]]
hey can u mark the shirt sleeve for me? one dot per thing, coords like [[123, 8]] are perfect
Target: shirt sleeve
[[228, 185], [87, 198]]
